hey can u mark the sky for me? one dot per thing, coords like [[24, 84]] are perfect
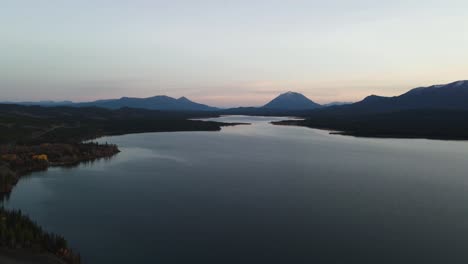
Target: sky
[[228, 53]]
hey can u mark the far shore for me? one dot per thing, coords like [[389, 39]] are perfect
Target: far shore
[[365, 134]]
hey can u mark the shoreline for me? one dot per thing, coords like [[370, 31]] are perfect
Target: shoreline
[[358, 134], [21, 160], [17, 161], [22, 241]]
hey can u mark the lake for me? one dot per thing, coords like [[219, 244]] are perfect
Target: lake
[[259, 193]]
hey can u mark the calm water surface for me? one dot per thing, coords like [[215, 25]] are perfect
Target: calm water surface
[[259, 194]]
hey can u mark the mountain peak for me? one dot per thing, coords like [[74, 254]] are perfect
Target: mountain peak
[[373, 98], [183, 99], [291, 101]]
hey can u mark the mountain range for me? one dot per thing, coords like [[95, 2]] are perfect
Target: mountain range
[[284, 102], [160, 102], [448, 96], [452, 96], [436, 112]]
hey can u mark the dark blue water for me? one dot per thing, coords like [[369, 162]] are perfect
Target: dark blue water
[[259, 194]]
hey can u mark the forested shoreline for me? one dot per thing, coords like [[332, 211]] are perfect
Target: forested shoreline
[[422, 123], [34, 138]]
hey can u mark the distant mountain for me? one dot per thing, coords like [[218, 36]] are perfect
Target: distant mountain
[[438, 111], [160, 102], [452, 96], [291, 101], [447, 96]]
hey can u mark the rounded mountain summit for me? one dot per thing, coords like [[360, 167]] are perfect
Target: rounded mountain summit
[[291, 101]]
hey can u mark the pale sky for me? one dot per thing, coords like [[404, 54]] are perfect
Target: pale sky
[[228, 53]]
